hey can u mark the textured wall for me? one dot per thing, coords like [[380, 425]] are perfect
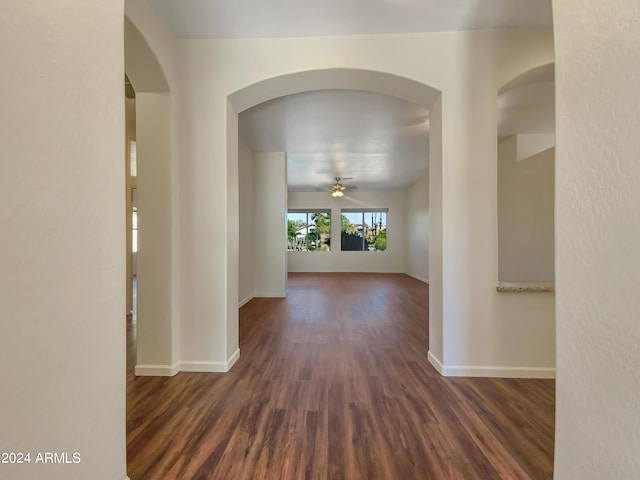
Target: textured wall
[[597, 227], [62, 248]]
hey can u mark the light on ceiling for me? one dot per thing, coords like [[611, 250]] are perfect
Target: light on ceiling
[[337, 190]]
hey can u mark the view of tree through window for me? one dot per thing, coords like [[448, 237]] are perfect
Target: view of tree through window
[[363, 230], [309, 230]]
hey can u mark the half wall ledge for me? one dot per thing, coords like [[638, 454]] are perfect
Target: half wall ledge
[[526, 287]]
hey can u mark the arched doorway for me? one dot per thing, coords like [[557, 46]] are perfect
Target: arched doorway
[[325, 79], [154, 195]]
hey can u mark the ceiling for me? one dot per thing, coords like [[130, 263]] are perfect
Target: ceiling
[[380, 141], [298, 18]]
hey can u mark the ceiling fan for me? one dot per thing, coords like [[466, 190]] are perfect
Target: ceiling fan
[[337, 190]]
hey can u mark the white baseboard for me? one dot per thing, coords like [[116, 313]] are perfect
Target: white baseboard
[[270, 295], [245, 301], [157, 370], [218, 367], [498, 372], [418, 277], [435, 361], [487, 371], [233, 359], [171, 370]]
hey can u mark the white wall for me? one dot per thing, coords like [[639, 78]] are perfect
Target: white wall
[[245, 240], [436, 297], [269, 224], [417, 225], [473, 312], [62, 251], [525, 214], [155, 328], [597, 228], [467, 67], [391, 260]]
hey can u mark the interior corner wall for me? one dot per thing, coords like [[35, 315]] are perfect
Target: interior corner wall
[[597, 230], [246, 244], [525, 214], [62, 251], [270, 226], [417, 227], [390, 261], [155, 329]]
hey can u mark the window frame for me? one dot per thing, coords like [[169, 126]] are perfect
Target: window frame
[[363, 212], [309, 212]]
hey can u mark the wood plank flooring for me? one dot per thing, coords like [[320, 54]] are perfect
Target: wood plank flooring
[[333, 383]]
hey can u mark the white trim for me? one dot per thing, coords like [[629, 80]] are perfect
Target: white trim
[[433, 360], [485, 371], [171, 370], [157, 370], [245, 301], [233, 359], [498, 372], [418, 277], [270, 295], [217, 367]]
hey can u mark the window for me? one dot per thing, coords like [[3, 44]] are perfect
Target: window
[[133, 159], [363, 229], [134, 230], [309, 230]]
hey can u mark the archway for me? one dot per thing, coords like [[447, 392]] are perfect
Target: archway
[[325, 79], [155, 329]]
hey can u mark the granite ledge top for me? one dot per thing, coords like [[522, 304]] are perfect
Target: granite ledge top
[[526, 287]]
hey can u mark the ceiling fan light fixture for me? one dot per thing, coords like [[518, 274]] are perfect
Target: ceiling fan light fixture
[[337, 190]]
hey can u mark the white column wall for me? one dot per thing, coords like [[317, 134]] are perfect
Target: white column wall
[[469, 216], [436, 299], [468, 67], [62, 249], [597, 230], [155, 329], [203, 242], [270, 224], [232, 235], [245, 209], [417, 229]]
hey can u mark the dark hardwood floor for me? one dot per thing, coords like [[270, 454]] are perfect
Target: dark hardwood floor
[[333, 383]]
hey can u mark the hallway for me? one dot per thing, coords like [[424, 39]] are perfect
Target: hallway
[[333, 382]]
